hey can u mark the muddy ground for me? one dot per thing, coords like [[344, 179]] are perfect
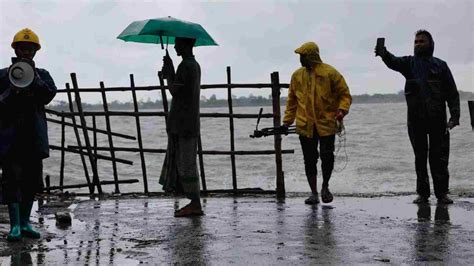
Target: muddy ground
[[247, 230]]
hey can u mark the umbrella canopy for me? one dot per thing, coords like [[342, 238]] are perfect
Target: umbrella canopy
[[167, 29]]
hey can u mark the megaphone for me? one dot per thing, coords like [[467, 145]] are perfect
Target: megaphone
[[21, 74]]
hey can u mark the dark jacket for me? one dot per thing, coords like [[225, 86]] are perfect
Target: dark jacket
[[429, 86], [183, 118], [23, 127]]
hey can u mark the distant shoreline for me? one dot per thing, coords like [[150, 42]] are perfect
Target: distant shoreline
[[243, 102]]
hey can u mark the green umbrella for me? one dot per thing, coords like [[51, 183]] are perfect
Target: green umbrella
[[155, 30]]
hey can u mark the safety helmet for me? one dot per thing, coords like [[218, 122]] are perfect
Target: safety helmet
[[26, 35]]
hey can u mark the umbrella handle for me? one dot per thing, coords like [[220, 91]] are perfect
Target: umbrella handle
[[161, 42]]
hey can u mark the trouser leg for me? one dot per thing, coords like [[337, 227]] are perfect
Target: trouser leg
[[439, 159], [327, 157], [419, 142], [10, 181], [21, 180], [310, 156]]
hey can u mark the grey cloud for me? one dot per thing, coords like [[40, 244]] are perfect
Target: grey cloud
[[255, 37]]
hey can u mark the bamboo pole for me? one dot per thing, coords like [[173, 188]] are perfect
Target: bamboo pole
[[128, 113], [240, 191], [280, 179], [231, 126], [78, 150], [211, 152], [470, 104], [63, 141], [109, 137], [94, 135], [95, 175], [48, 184], [126, 181], [201, 164], [203, 87], [78, 139], [164, 99], [90, 128], [139, 134]]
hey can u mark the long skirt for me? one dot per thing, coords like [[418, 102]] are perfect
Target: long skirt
[[180, 173]]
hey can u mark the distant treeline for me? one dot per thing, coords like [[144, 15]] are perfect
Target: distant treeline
[[251, 100]]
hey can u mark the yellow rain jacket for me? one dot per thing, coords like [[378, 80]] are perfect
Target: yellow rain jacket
[[315, 96]]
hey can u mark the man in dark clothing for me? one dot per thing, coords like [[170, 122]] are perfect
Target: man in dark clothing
[[179, 172], [23, 137], [429, 85]]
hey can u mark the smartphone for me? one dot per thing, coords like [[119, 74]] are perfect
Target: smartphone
[[380, 45], [380, 42]]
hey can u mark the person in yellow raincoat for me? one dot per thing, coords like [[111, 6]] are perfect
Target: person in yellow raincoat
[[318, 97]]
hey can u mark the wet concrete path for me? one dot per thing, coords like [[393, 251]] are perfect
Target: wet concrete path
[[250, 230]]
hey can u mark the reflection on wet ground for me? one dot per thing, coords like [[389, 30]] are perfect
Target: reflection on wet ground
[[250, 230]]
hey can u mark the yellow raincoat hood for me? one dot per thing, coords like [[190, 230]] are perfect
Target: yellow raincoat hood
[[311, 51]]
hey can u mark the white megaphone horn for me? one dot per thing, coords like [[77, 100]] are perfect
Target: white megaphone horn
[[21, 74]]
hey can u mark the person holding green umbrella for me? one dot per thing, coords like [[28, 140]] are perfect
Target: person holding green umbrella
[[179, 172]]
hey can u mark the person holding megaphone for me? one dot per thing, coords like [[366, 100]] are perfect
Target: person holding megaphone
[[24, 91]]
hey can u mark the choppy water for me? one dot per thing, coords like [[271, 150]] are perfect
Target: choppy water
[[380, 158]]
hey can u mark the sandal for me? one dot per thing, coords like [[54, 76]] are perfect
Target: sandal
[[326, 195], [421, 200], [312, 200]]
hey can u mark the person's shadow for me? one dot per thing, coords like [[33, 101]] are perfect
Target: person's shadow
[[187, 241], [432, 237], [21, 258], [319, 242]]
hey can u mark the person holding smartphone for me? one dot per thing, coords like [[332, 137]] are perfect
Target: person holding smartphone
[[429, 86], [23, 136]]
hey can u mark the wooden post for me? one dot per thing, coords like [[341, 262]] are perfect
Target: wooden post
[[231, 125], [109, 136], [280, 179], [139, 133], [78, 138], [95, 175], [471, 112], [63, 141], [201, 165]]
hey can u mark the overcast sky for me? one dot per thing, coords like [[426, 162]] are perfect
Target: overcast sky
[[255, 38]]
